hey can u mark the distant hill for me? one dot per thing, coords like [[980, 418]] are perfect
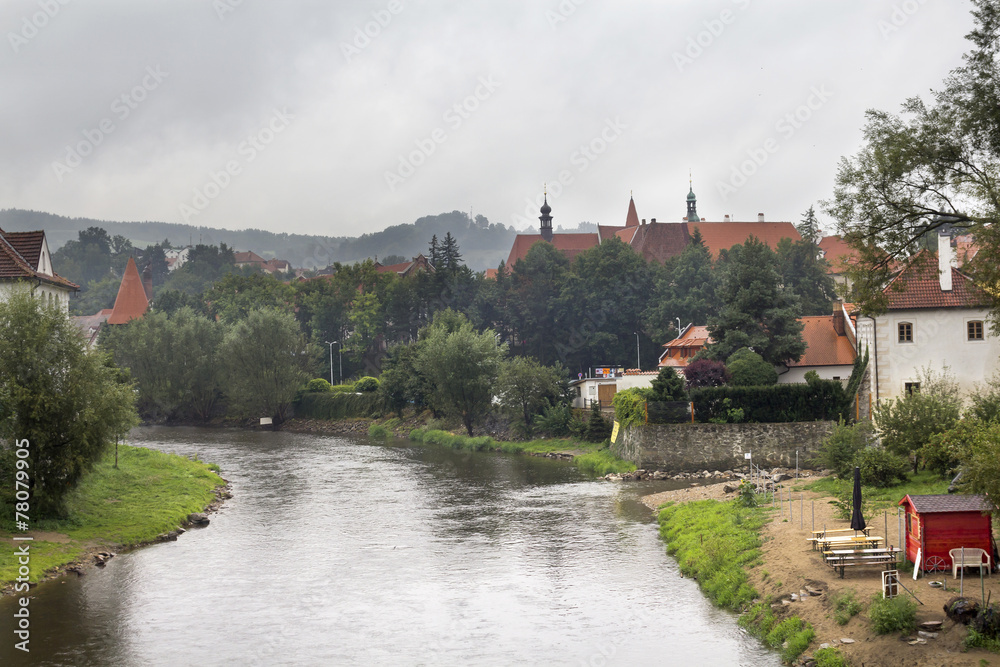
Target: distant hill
[[481, 243]]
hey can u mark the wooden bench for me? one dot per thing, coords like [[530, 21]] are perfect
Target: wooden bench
[[880, 557], [826, 543], [830, 531], [971, 558]]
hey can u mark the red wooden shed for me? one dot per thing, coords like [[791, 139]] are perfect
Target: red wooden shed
[[936, 524]]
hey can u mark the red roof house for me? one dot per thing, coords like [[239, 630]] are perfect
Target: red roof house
[[680, 350], [24, 257], [935, 524]]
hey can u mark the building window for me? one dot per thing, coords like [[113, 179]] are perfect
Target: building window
[[911, 387], [975, 329], [905, 332]]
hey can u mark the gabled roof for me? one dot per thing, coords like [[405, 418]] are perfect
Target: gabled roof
[[724, 235], [947, 502], [20, 253], [131, 302], [691, 335], [919, 286], [569, 245], [248, 257], [823, 346], [660, 240], [837, 253]]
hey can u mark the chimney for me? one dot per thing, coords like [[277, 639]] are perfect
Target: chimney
[[946, 257], [838, 319], [652, 220], [760, 217], [644, 221], [726, 219]]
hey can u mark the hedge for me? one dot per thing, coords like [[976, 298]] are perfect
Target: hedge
[[821, 400], [338, 405]]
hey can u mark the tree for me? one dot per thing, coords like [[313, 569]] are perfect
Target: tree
[[668, 386], [686, 289], [233, 296], [806, 275], [748, 369], [931, 168], [525, 386], [706, 373], [265, 356], [980, 462], [757, 311], [462, 367], [535, 286], [808, 228], [66, 402], [907, 424]]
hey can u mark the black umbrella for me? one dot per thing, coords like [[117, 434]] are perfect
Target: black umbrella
[[857, 520]]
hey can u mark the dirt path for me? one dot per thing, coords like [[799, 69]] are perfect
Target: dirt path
[[790, 565]]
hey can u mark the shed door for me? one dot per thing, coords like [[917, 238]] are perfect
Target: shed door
[[605, 392]]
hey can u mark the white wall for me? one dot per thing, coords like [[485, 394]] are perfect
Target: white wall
[[940, 340], [48, 293], [797, 374], [629, 381]]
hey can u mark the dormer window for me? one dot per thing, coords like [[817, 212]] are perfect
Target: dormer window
[[905, 332]]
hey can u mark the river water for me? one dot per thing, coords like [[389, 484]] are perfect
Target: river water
[[342, 551]]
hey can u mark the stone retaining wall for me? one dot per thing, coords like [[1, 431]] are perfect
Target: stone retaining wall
[[690, 447]]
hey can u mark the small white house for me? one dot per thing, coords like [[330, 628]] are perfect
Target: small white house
[[25, 263], [829, 351]]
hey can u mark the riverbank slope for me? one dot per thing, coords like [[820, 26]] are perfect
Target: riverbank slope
[[148, 495], [788, 565]]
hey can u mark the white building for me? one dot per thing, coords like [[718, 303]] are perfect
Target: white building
[[936, 319], [25, 263]]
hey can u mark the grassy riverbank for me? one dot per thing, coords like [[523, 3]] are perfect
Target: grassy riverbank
[[150, 493]]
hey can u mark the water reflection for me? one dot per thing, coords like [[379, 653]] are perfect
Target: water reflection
[[336, 551]]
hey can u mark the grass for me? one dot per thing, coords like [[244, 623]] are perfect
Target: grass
[[595, 460], [845, 607], [150, 493], [978, 640], [892, 614], [877, 499], [830, 657]]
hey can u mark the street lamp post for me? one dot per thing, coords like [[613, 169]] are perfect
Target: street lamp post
[[330, 343], [638, 365], [678, 326]]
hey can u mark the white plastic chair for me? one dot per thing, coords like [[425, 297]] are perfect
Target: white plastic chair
[[972, 558]]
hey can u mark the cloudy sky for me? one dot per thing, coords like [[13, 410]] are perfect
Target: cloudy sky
[[341, 118]]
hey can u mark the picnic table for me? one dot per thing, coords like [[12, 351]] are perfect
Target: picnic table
[[844, 558], [832, 531], [828, 542]]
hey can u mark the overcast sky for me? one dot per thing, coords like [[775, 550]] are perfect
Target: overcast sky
[[341, 118]]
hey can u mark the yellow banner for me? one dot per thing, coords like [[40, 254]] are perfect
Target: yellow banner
[[614, 432]]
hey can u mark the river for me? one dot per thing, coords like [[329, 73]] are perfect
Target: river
[[343, 551]]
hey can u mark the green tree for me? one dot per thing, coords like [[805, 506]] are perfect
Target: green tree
[[748, 369], [669, 386], [265, 356], [233, 296], [66, 402], [462, 367], [806, 275], [907, 424], [980, 461], [840, 449], [757, 311], [808, 228], [536, 285], [685, 288], [99, 294], [526, 386], [928, 169]]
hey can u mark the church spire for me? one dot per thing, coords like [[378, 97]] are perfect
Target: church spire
[[545, 218], [692, 201], [632, 218]]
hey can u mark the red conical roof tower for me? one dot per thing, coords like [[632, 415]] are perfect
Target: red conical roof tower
[[131, 302]]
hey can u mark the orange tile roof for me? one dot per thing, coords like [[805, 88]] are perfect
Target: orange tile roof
[[823, 346], [919, 286], [569, 245], [691, 340], [724, 235], [15, 264], [837, 253], [660, 241], [248, 257], [131, 302], [631, 218]]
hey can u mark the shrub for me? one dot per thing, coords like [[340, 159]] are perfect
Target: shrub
[[598, 429], [880, 468], [845, 607], [336, 405], [892, 614], [602, 462], [830, 657], [630, 406], [706, 373], [823, 400], [748, 494], [839, 450], [796, 632], [558, 420], [668, 386], [748, 369], [367, 384], [318, 385], [987, 621], [378, 431], [417, 434]]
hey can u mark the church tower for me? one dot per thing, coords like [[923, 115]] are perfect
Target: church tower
[[546, 219], [692, 201]]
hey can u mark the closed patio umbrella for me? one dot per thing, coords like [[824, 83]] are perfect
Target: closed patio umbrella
[[857, 520]]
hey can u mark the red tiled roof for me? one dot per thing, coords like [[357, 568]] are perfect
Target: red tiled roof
[[966, 248], [393, 268], [823, 346], [919, 286], [248, 257], [660, 241], [691, 341], [724, 235], [837, 253], [627, 234], [632, 218], [691, 336], [605, 232], [569, 245], [947, 502], [14, 264], [131, 302]]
